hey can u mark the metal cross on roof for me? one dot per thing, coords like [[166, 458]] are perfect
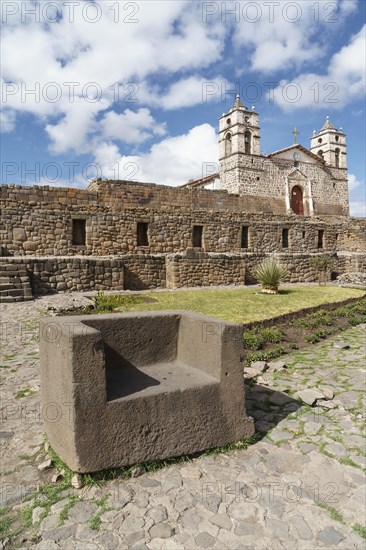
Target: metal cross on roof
[[296, 132]]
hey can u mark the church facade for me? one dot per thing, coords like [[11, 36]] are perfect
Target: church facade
[[293, 180]]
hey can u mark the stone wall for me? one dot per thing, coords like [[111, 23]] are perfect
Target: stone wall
[[352, 237], [141, 272], [351, 263], [72, 239], [39, 221], [48, 275], [144, 271], [202, 269], [15, 285]]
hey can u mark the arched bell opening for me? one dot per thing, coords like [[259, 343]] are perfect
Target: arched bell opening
[[248, 142], [228, 144]]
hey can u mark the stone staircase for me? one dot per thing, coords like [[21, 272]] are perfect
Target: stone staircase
[[15, 285]]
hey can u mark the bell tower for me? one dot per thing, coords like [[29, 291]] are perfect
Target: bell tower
[[239, 131], [330, 144], [239, 148]]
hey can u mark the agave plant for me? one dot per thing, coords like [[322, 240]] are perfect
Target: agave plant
[[269, 273]]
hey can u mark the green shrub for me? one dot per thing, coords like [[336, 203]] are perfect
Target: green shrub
[[256, 338], [316, 314], [311, 321], [322, 263], [321, 333], [266, 355], [269, 273], [340, 312], [358, 308], [303, 323], [271, 335], [353, 321], [324, 320], [313, 339], [252, 340], [351, 310]]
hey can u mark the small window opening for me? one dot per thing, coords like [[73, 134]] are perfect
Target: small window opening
[[244, 236], [142, 236], [321, 154], [284, 238], [337, 151], [320, 238], [197, 236], [78, 232], [248, 142], [303, 234], [228, 144]]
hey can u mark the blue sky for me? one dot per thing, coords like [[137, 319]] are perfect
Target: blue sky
[[134, 90]]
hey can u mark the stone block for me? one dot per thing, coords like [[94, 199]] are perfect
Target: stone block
[[138, 387], [30, 245], [62, 286], [19, 234]]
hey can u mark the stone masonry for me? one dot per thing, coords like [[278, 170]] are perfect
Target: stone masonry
[[118, 235], [318, 175], [141, 386], [39, 221]]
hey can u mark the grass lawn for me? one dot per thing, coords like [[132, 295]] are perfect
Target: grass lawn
[[244, 305]]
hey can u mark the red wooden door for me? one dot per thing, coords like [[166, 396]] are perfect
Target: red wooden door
[[297, 204]]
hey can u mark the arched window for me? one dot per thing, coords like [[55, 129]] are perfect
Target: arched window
[[248, 142], [321, 154], [337, 152], [228, 145]]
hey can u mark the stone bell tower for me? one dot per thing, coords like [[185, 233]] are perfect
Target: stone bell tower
[[239, 145], [330, 144]]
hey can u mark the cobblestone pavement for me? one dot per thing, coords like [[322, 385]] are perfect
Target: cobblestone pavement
[[301, 486]]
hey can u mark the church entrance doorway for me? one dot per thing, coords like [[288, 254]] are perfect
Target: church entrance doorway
[[297, 204]]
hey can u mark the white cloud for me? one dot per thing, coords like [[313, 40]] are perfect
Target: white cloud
[[348, 6], [172, 161], [358, 209], [342, 84], [131, 126], [278, 35], [357, 191], [7, 120], [186, 92], [167, 37], [353, 182], [72, 130], [167, 40], [284, 35]]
